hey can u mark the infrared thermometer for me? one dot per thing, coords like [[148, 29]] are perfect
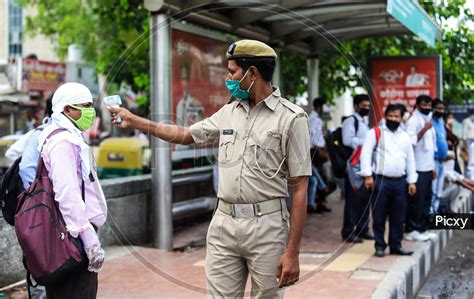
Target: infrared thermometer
[[114, 101]]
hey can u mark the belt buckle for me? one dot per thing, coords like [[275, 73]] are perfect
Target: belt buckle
[[243, 210]]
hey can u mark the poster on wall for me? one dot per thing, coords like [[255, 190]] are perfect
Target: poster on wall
[[199, 68], [41, 77], [401, 79]]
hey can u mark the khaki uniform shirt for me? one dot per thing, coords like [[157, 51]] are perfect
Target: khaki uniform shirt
[[258, 149]]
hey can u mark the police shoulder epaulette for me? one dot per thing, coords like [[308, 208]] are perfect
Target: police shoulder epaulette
[[293, 107]]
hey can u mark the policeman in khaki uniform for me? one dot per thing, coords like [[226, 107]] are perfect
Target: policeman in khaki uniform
[[263, 147]]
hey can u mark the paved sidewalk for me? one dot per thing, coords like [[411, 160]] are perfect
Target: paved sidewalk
[[329, 268]]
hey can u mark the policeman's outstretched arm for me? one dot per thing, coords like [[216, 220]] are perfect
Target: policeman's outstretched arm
[[170, 133]]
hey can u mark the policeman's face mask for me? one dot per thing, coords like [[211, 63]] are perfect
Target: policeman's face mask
[[235, 89]]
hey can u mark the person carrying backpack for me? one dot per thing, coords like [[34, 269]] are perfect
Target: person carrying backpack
[[395, 174], [70, 166], [356, 207]]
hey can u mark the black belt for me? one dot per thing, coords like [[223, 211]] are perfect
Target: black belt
[[391, 178]]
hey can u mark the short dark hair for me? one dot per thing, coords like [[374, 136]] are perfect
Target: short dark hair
[[394, 107], [403, 107], [359, 98], [265, 66], [423, 99], [436, 102], [318, 102]]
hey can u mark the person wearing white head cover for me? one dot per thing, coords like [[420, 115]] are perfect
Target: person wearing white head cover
[[70, 165]]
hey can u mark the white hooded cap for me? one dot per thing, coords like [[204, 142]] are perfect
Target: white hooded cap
[[70, 94]]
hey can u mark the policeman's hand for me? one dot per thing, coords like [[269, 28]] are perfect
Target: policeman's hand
[[288, 269], [435, 174], [125, 116], [369, 182], [411, 189], [428, 125]]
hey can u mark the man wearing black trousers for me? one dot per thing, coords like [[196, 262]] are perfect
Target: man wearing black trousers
[[423, 138], [395, 177], [356, 209]]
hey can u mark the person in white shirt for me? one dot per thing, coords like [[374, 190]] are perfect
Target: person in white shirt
[[317, 144], [356, 207], [423, 138], [416, 79], [395, 177]]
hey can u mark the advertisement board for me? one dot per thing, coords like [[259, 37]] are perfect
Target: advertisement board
[[199, 68], [41, 77], [401, 79]]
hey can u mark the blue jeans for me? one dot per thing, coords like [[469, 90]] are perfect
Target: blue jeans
[[315, 182], [437, 187]]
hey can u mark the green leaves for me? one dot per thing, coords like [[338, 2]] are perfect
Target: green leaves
[[113, 35]]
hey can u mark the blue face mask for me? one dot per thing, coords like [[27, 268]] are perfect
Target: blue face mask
[[235, 90]]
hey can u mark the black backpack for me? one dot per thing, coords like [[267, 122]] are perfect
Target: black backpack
[[338, 152], [10, 187]]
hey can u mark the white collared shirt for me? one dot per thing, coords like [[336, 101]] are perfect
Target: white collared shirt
[[467, 129], [393, 156], [349, 136], [316, 131], [426, 146]]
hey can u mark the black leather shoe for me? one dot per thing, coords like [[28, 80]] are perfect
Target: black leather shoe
[[367, 236], [312, 210], [353, 239], [322, 208], [379, 252], [401, 251]]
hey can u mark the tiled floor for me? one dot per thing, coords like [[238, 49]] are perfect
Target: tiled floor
[[329, 268]]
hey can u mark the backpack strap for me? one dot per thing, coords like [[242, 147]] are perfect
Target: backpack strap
[[40, 165], [83, 192], [356, 124], [377, 135], [355, 157]]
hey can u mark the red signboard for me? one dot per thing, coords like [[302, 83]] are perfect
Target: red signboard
[[199, 69], [400, 79], [42, 76]]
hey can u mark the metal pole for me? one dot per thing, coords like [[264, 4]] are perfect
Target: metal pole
[[313, 78], [277, 73], [160, 100]]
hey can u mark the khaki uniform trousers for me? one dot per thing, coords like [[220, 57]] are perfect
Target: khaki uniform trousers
[[237, 247]]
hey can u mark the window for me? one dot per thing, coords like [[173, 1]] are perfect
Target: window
[[15, 28]]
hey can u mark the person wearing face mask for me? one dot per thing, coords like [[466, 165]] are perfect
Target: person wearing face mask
[[264, 146], [423, 138], [441, 153], [395, 176], [356, 207], [406, 116], [70, 165]]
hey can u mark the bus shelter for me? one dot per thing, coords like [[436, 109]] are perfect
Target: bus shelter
[[303, 26]]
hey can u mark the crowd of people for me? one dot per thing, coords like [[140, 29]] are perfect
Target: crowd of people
[[409, 169], [266, 144]]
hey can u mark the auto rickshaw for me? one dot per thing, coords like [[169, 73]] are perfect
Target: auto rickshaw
[[122, 156], [4, 162]]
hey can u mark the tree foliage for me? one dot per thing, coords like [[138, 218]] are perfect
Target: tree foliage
[[348, 70], [113, 35]]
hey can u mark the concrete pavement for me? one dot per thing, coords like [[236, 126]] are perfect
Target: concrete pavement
[[329, 267]]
